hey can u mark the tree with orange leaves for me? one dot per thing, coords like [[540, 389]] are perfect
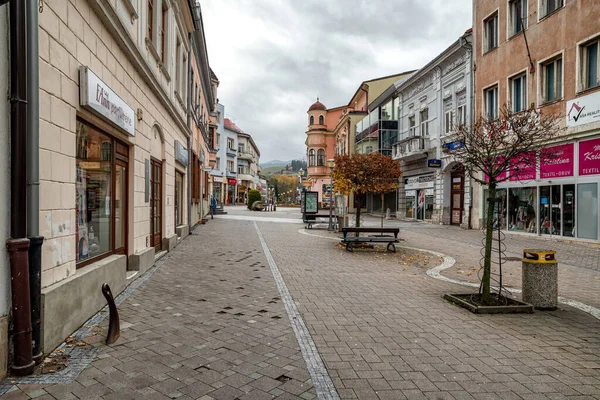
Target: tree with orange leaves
[[365, 173]]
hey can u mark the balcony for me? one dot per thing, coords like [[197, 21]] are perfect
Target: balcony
[[372, 127], [231, 174], [411, 148], [231, 152], [244, 155]]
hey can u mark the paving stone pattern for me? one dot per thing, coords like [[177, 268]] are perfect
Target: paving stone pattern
[[384, 332], [209, 324]]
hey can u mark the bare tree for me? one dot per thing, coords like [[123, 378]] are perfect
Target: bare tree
[[513, 141]]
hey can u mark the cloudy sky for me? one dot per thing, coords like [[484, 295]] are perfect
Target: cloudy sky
[[274, 57]]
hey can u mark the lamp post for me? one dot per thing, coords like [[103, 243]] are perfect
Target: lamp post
[[330, 164]]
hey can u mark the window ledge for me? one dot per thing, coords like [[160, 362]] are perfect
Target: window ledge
[[588, 90], [131, 8], [163, 70], [485, 53], [179, 100], [152, 49], [549, 103], [517, 34], [551, 13]]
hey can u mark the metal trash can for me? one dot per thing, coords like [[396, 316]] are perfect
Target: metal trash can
[[540, 279]]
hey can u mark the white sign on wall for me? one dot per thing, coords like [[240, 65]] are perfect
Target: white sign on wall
[[419, 182], [98, 97], [583, 110]]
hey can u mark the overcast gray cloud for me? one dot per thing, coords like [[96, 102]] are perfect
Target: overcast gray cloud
[[274, 57]]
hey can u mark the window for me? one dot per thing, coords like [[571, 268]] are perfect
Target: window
[[448, 116], [196, 178], [218, 164], [552, 80], [549, 6], [311, 158], [517, 16], [321, 158], [150, 19], [589, 63], [178, 65], [518, 93], [312, 120], [178, 198], [241, 169], [490, 26], [491, 102], [424, 120], [241, 147], [230, 144], [230, 166], [183, 75], [218, 140], [321, 120], [369, 149], [100, 194], [462, 114], [163, 34], [411, 126]]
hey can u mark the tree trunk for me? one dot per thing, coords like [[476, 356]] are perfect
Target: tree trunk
[[489, 232], [382, 197]]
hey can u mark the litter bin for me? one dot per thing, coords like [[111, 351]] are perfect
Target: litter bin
[[540, 278]]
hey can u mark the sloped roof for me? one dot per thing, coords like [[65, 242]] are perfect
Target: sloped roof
[[232, 126]]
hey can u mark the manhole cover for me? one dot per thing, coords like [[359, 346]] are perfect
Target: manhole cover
[[512, 258]]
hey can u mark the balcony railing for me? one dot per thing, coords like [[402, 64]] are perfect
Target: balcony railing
[[246, 155], [411, 148], [231, 152], [232, 174]]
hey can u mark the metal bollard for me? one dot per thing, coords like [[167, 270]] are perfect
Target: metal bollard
[[114, 330]]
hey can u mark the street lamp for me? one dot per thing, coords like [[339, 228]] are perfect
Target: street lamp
[[330, 164], [300, 174]]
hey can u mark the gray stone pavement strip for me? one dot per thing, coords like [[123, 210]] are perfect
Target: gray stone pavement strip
[[385, 332], [318, 372], [208, 324]]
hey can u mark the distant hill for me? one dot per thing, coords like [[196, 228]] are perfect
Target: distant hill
[[274, 163], [273, 170]]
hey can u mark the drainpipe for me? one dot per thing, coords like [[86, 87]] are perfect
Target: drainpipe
[[189, 141], [18, 245], [33, 182], [465, 44]]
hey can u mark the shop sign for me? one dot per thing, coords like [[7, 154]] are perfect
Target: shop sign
[[429, 192], [557, 161], [583, 110], [500, 177], [232, 181], [411, 193], [522, 168], [98, 97], [434, 163], [218, 179], [454, 145], [181, 153], [589, 157], [419, 182]]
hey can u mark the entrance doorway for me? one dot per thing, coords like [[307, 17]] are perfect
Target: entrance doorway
[[156, 205], [457, 196]]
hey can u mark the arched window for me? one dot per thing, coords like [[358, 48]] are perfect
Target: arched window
[[321, 158], [311, 157], [321, 120], [312, 120]]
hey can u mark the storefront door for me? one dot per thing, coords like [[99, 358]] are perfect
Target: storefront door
[[457, 197], [156, 205], [550, 210]]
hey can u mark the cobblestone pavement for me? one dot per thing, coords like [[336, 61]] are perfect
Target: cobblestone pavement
[[211, 324]]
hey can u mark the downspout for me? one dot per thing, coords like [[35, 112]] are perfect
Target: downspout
[[469, 48], [189, 140], [18, 245], [33, 181], [441, 129]]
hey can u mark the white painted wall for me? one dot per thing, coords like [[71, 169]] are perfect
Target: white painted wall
[[4, 161]]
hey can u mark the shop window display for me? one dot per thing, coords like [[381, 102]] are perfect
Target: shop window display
[[521, 209], [500, 212]]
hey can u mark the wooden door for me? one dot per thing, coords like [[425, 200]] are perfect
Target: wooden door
[[156, 205], [457, 197]]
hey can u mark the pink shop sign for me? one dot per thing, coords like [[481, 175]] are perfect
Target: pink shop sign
[[589, 157], [501, 177], [522, 168], [557, 161]]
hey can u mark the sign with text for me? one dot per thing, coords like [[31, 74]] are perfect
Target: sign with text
[[98, 97], [232, 181], [419, 182], [181, 153], [583, 110], [557, 161], [522, 168], [434, 163], [501, 177], [589, 157], [218, 179]]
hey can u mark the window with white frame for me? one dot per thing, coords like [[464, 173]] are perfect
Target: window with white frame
[[218, 164], [312, 158], [241, 147], [178, 65], [183, 75], [517, 16], [218, 140], [230, 144], [590, 68], [549, 6], [552, 72], [461, 114], [412, 129], [368, 149], [150, 10], [230, 166], [164, 21], [240, 169], [518, 92], [490, 30], [424, 121], [448, 116], [491, 102]]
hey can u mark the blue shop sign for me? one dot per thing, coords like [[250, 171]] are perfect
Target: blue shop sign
[[454, 145], [434, 163]]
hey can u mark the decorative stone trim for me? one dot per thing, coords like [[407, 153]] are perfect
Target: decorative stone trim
[[150, 46], [163, 70], [131, 8]]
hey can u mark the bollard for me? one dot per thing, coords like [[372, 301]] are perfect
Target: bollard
[[114, 330], [540, 279]]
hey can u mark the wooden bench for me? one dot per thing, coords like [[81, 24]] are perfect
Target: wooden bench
[[350, 241], [311, 219]]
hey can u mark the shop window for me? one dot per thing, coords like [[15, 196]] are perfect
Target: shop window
[[178, 198], [590, 68], [499, 215], [321, 158], [518, 92], [521, 204], [100, 194], [552, 80], [587, 211], [517, 16], [490, 30]]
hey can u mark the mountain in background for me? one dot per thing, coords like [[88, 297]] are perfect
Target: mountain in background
[[282, 167], [274, 163]]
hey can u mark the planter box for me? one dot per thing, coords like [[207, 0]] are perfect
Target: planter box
[[512, 306]]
